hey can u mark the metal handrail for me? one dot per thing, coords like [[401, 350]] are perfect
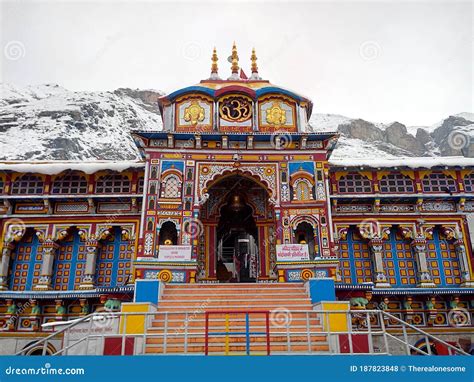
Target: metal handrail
[[426, 334], [186, 332], [45, 340]]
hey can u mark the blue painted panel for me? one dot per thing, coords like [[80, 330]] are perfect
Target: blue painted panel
[[69, 263], [399, 261], [147, 291], [305, 166], [26, 264], [322, 290], [178, 165]]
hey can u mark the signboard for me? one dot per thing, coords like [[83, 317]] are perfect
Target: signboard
[[174, 253], [292, 252]]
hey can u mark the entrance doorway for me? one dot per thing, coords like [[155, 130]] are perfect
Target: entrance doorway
[[237, 237], [236, 217]]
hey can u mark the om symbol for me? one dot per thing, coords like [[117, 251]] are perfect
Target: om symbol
[[235, 109]]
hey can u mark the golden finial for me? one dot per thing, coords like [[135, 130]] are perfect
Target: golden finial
[[235, 60], [214, 68], [214, 61], [253, 58]]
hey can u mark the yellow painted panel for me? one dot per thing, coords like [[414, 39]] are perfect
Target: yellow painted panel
[[198, 156], [336, 322], [134, 324]]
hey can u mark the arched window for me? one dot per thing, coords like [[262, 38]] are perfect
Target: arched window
[[469, 182], [438, 182], [27, 184], [168, 234], [306, 234], [443, 261], [151, 204], [171, 187], [70, 184], [113, 184], [69, 263], [302, 190], [26, 263], [114, 260], [153, 172], [399, 262], [354, 184], [396, 183], [355, 260]]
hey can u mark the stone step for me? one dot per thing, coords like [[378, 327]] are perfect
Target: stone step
[[260, 349]]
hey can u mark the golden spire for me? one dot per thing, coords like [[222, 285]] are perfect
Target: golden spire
[[214, 68], [214, 61], [253, 58], [235, 60]]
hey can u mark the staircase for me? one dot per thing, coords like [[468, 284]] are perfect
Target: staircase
[[241, 319]]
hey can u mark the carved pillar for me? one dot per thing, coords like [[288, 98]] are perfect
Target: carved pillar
[[466, 277], [424, 277], [376, 245], [49, 251], [92, 248], [5, 265]]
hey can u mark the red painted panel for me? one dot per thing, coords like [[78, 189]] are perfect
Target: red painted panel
[[113, 345], [360, 343]]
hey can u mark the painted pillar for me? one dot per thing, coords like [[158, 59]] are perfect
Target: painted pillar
[[45, 280], [92, 248], [211, 249], [5, 265], [375, 246], [424, 276], [466, 277]]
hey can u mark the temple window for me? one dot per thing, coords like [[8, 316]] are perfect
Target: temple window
[[69, 263], [399, 261], [113, 184], [306, 234], [151, 204], [354, 183], [27, 184], [153, 173], [168, 234], [438, 182], [114, 260], [355, 260], [141, 183], [442, 260], [70, 184], [302, 190], [171, 187], [396, 183], [26, 262], [469, 182]]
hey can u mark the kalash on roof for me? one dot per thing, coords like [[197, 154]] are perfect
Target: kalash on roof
[[238, 104]]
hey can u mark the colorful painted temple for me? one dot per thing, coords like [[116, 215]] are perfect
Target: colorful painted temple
[[237, 188]]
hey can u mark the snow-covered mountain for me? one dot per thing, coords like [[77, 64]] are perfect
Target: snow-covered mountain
[[49, 122]]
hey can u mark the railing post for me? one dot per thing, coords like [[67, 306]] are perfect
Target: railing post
[[405, 338], [384, 330], [369, 327], [124, 335], [428, 346], [206, 344], [165, 334], [91, 321], [186, 333], [349, 333], [267, 324], [308, 334], [247, 332]]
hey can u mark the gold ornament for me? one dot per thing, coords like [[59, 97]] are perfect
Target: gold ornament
[[276, 115], [235, 109], [194, 113]]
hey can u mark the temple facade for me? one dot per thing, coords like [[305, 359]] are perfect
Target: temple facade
[[237, 188]]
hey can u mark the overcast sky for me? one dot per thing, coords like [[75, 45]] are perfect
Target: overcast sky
[[382, 61]]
